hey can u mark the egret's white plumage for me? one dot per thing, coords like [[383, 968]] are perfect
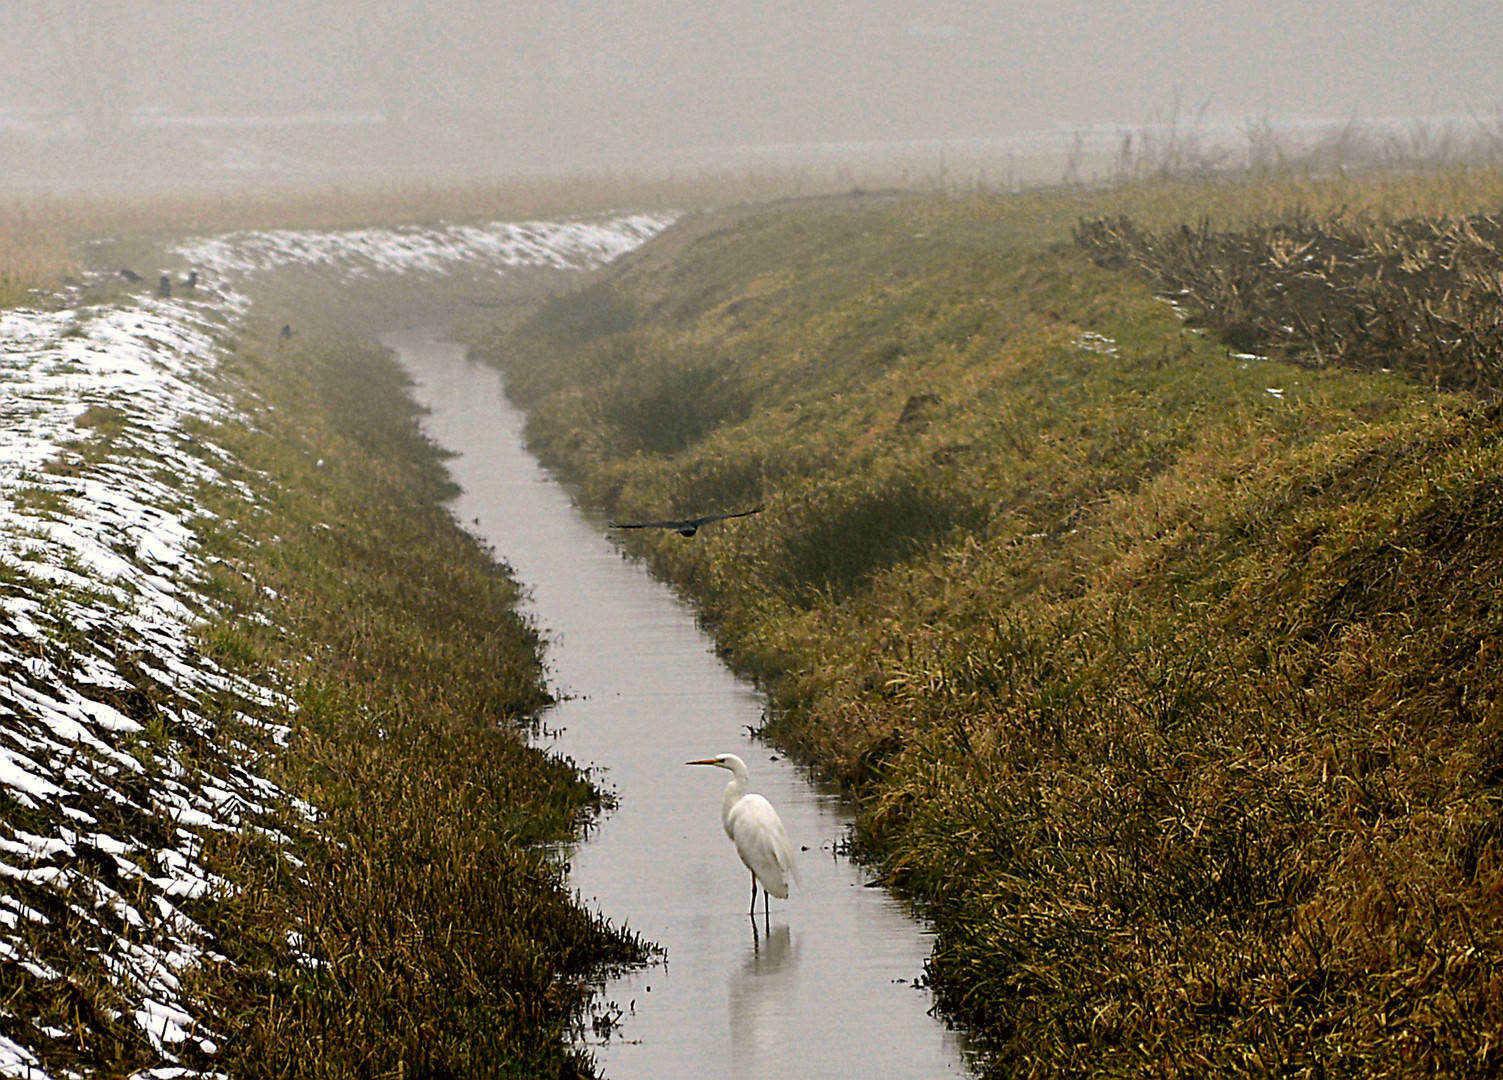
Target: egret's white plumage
[[756, 830]]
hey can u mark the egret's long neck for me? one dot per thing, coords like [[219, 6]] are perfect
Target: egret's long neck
[[733, 792]]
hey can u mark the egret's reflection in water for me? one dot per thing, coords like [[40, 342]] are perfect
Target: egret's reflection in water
[[822, 989], [761, 994]]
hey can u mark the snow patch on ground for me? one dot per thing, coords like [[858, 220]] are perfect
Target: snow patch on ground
[[101, 820], [499, 246], [1100, 344]]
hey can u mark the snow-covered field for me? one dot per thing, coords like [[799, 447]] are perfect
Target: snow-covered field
[[499, 246], [122, 746]]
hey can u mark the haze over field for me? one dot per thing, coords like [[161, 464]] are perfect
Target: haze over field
[[131, 93]]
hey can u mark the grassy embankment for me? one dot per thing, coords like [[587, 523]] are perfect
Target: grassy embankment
[[446, 941], [1168, 678], [433, 937], [425, 931]]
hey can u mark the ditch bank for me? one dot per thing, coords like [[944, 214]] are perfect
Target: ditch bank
[[1166, 675], [244, 650]]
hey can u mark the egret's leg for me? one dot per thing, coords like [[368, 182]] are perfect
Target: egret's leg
[[753, 910]]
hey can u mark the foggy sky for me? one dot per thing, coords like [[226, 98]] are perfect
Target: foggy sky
[[605, 76]]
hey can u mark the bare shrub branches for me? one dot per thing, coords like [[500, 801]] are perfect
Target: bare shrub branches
[[1422, 295]]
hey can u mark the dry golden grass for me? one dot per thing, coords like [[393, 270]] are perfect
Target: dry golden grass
[[1418, 294], [1174, 701], [443, 937], [41, 239]]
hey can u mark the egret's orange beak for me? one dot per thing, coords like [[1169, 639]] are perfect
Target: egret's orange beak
[[703, 761]]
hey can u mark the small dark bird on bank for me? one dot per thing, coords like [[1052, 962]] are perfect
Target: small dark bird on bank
[[286, 331], [130, 275], [164, 287], [191, 282], [688, 526]]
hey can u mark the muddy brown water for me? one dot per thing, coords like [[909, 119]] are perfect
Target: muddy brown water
[[826, 987]]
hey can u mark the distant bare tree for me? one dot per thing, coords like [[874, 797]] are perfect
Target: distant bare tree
[[1073, 159], [91, 57], [389, 34]]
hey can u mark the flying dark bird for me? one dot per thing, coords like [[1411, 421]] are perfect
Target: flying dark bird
[[688, 526], [129, 275]]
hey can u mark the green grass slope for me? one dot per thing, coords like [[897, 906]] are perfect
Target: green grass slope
[[1168, 678], [434, 936]]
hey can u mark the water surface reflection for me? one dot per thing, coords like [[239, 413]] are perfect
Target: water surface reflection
[[825, 987], [761, 990]]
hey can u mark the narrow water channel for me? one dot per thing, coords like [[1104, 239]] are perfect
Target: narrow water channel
[[826, 987]]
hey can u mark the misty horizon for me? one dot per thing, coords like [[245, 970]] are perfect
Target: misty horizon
[[450, 88]]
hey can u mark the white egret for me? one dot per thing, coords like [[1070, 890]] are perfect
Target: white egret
[[757, 831]]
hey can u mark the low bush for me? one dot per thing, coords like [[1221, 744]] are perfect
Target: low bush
[[1418, 295]]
